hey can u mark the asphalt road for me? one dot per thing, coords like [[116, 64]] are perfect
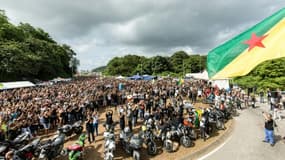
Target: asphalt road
[[245, 143]]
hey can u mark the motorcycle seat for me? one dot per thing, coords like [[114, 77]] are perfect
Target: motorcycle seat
[[77, 124], [66, 127], [20, 138], [75, 147], [58, 140]]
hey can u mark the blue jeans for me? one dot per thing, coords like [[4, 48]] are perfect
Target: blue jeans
[[269, 136], [96, 128]]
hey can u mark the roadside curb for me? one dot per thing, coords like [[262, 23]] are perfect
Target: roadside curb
[[208, 148]]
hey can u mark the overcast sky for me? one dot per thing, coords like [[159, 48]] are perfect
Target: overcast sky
[[99, 30]]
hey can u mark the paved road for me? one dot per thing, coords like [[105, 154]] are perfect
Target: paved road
[[245, 143]]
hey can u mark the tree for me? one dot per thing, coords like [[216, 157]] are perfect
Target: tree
[[30, 53], [177, 61], [269, 74]]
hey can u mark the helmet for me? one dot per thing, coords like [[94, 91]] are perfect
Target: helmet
[[127, 130], [82, 137]]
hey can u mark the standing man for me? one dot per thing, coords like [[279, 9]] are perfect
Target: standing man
[[95, 121], [109, 118], [90, 130], [269, 129]]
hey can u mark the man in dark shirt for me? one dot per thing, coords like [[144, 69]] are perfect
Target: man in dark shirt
[[269, 129], [109, 117], [90, 130]]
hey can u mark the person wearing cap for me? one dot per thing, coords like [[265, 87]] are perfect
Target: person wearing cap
[[269, 129]]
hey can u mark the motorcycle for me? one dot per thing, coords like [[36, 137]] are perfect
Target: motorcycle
[[148, 137], [217, 117], [110, 144], [76, 151], [131, 143], [27, 152], [167, 140], [52, 148], [68, 129], [20, 141], [184, 134]]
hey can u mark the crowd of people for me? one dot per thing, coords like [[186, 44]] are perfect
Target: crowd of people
[[44, 108]]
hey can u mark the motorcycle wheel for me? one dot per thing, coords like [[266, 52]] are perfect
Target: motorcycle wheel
[[136, 155], [151, 148], [220, 125], [168, 146], [193, 134], [185, 141]]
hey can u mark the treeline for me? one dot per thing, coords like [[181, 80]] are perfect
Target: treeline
[[267, 75], [178, 64], [28, 53]]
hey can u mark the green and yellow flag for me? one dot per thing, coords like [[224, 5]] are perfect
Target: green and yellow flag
[[238, 56], [180, 82]]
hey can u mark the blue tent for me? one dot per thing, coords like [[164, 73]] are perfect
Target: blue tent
[[136, 77], [148, 77]]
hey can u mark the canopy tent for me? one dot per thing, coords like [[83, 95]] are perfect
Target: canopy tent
[[221, 83], [18, 84], [148, 77], [120, 77], [203, 75], [135, 77], [59, 79]]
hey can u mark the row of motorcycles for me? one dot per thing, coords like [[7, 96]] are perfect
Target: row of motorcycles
[[171, 135], [132, 143], [23, 147]]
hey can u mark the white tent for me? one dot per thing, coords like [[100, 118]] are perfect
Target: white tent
[[18, 84], [221, 83], [120, 77], [203, 75]]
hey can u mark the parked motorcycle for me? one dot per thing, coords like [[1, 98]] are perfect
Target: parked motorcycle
[[131, 143], [110, 144], [27, 152], [166, 138], [76, 151], [20, 141], [184, 134], [68, 129], [217, 117], [148, 137], [52, 148]]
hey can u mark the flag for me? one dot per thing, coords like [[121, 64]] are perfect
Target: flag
[[181, 81], [238, 56]]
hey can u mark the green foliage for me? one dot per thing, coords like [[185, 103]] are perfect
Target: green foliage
[[30, 53], [177, 65], [269, 74], [99, 69], [124, 66]]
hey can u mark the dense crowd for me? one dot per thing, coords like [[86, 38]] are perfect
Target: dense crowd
[[47, 107]]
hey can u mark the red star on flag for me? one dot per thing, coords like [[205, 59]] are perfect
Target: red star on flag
[[255, 41]]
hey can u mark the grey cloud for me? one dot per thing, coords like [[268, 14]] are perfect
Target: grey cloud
[[102, 29]]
